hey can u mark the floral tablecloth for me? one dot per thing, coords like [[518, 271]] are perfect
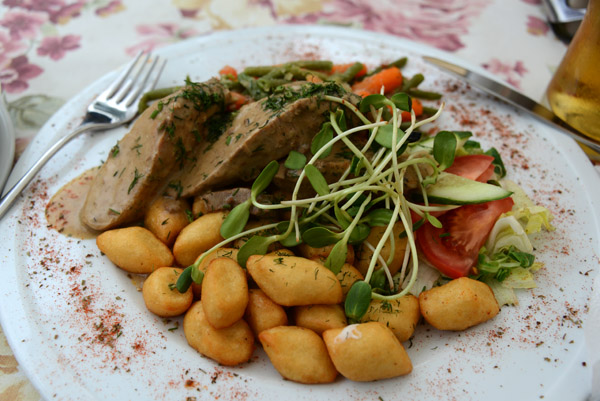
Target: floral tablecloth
[[51, 49]]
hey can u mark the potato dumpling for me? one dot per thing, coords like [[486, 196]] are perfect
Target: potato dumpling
[[224, 292], [134, 249], [230, 253], [366, 352], [321, 254], [166, 217], [400, 315], [298, 354], [458, 305], [197, 237], [319, 318], [292, 281], [229, 346], [262, 313], [161, 296], [347, 276], [363, 257]]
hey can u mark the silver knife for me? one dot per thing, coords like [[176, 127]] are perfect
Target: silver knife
[[516, 99]]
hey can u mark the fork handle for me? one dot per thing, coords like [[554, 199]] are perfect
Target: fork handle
[[8, 199]]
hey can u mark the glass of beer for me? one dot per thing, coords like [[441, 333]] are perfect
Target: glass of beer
[[574, 91]]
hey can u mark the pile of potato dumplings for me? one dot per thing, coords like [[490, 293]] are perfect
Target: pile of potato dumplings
[[291, 305]]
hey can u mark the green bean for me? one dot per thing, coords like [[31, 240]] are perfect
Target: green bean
[[424, 94], [155, 94], [299, 72], [258, 71], [351, 72], [321, 65], [429, 111], [412, 82], [401, 62], [261, 71]]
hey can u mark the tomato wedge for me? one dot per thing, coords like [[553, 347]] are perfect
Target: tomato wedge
[[454, 248], [473, 167]]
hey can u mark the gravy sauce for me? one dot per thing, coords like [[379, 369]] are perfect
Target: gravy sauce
[[62, 212]]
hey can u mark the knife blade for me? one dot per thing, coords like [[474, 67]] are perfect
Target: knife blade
[[515, 98]]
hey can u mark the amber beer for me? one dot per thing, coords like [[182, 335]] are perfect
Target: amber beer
[[574, 91]]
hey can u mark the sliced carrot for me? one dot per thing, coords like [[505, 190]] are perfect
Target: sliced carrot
[[237, 101], [341, 68], [228, 70], [389, 78], [417, 106]]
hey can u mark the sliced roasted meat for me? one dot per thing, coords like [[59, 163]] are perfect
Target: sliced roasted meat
[[261, 131], [141, 163]]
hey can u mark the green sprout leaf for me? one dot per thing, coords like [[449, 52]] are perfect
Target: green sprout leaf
[[236, 220], [402, 101], [379, 217], [318, 237], [433, 220], [357, 301], [197, 274], [184, 280], [356, 165], [321, 139], [359, 234], [377, 101], [342, 217], [385, 135], [340, 119], [498, 164], [444, 148], [337, 257], [256, 245], [316, 180], [379, 280], [264, 178], [295, 160], [290, 240]]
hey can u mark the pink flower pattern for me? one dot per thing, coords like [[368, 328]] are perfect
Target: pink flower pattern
[[511, 74], [55, 47], [23, 25], [111, 8], [14, 76], [57, 10], [9, 48], [537, 26], [438, 23], [20, 31], [159, 35]]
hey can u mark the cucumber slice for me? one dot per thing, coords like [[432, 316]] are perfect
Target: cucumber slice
[[451, 189]]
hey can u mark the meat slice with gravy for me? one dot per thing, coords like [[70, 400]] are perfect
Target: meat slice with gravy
[[159, 143], [261, 131]]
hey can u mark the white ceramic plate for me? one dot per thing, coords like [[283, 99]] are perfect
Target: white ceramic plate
[[79, 327]]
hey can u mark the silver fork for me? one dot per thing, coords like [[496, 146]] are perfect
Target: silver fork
[[113, 107]]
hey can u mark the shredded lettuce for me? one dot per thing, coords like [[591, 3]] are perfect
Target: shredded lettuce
[[503, 264], [506, 233], [531, 216], [506, 262]]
